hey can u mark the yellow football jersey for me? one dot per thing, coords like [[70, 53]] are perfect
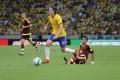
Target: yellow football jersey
[[55, 22]]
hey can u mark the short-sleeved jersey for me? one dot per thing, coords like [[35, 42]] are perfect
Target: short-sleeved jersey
[[25, 22], [55, 22], [85, 49]]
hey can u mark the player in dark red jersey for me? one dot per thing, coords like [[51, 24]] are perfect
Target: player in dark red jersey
[[26, 33], [81, 54]]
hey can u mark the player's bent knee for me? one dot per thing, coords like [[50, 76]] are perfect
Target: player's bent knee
[[22, 41], [49, 42], [47, 45], [76, 51]]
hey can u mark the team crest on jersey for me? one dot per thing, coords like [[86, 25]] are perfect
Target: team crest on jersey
[[84, 47]]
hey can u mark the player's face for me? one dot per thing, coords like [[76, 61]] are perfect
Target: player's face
[[50, 11], [23, 15], [84, 40]]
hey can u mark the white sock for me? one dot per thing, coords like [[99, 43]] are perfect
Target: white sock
[[47, 52], [22, 50], [68, 50]]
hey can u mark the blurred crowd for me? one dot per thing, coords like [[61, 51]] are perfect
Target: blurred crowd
[[94, 17]]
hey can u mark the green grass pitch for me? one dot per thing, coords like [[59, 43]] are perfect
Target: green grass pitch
[[14, 67]]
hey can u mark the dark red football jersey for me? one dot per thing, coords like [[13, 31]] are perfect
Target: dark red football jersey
[[25, 22], [85, 49]]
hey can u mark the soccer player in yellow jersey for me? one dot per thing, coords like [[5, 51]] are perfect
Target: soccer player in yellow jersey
[[58, 33]]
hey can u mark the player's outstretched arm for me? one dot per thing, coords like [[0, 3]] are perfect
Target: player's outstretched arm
[[46, 25], [92, 55], [92, 58]]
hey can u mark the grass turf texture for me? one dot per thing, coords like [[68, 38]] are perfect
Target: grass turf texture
[[14, 67]]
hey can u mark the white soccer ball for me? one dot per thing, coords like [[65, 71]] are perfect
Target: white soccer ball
[[37, 61]]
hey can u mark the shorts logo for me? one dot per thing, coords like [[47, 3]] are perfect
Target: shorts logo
[[63, 42]]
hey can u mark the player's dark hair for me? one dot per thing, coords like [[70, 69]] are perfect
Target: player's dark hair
[[85, 37], [54, 9]]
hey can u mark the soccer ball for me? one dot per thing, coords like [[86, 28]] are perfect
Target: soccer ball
[[37, 61]]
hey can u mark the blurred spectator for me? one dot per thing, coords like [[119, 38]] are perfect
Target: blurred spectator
[[80, 17]]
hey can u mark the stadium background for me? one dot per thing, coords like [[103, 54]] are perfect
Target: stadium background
[[98, 19], [93, 17]]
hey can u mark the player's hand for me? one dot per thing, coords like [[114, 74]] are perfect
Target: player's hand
[[56, 36], [92, 62]]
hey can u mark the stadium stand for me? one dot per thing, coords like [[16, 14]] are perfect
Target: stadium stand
[[93, 17]]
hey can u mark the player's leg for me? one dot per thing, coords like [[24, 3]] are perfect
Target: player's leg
[[22, 47], [23, 37], [69, 61], [33, 43], [77, 58], [62, 41], [82, 59], [72, 60], [47, 49], [68, 50], [75, 55]]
